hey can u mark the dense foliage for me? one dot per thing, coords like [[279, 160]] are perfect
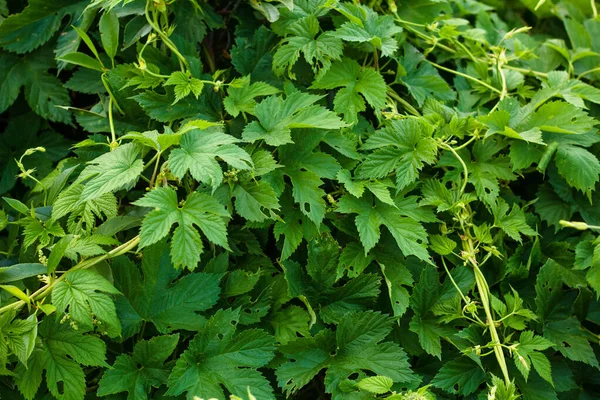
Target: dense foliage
[[299, 198]]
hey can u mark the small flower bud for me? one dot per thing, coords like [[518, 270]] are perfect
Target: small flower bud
[[523, 362], [582, 226], [160, 5], [392, 6], [29, 152]]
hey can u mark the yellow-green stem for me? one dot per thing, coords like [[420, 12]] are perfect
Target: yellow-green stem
[[465, 169], [45, 290], [469, 77], [526, 71], [482, 285], [164, 37], [484, 295], [405, 103], [113, 136]]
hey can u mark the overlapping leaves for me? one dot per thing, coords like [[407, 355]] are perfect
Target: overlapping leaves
[[374, 201]]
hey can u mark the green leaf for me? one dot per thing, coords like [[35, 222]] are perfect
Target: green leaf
[[83, 214], [397, 278], [425, 296], [109, 33], [514, 223], [16, 292], [317, 285], [61, 352], [43, 91], [184, 85], [39, 21], [403, 147], [318, 51], [17, 337], [292, 227], [87, 40], [165, 108], [82, 60], [353, 260], [42, 232], [442, 244], [579, 167], [277, 116], [241, 96], [421, 78], [498, 122], [486, 168], [570, 340], [307, 192], [69, 41], [83, 295], [118, 169], [138, 373], [3, 220], [251, 198], [529, 353], [17, 205], [157, 141], [356, 81], [197, 153], [10, 80], [461, 376], [160, 294], [371, 214], [221, 355], [376, 384], [109, 4], [198, 211], [17, 272], [372, 30], [356, 346], [561, 117], [289, 323], [44, 94], [58, 251]]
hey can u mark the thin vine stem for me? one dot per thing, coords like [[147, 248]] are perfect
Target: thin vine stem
[[590, 71], [155, 169], [469, 77], [454, 282], [404, 103], [153, 24], [464, 298], [468, 142], [499, 66], [47, 289], [481, 283], [462, 162], [110, 93], [483, 290], [526, 71], [429, 39], [466, 50], [113, 136]]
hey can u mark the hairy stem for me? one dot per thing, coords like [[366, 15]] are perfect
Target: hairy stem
[[484, 292], [482, 285]]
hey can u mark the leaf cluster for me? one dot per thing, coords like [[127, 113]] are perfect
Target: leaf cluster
[[299, 199]]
